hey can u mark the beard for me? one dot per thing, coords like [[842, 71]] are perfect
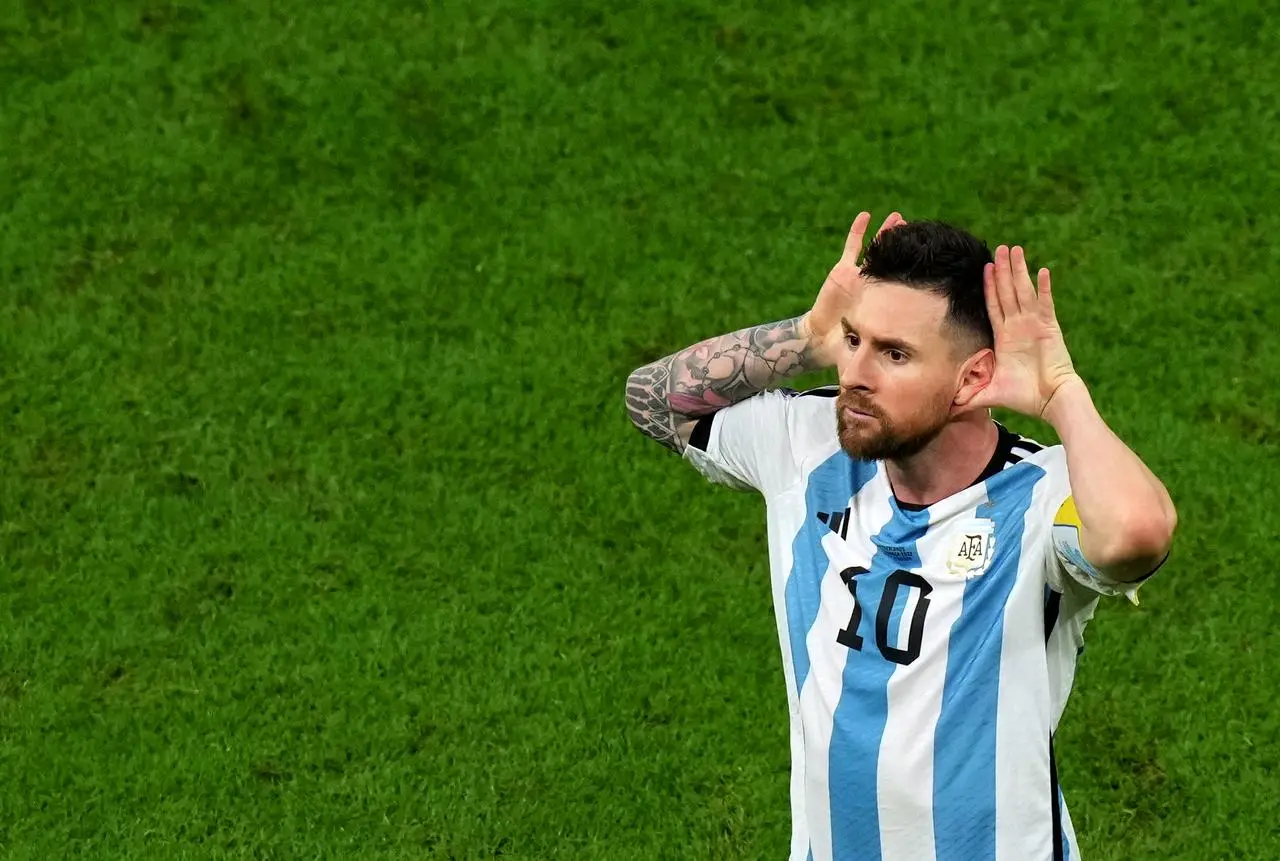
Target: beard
[[882, 438]]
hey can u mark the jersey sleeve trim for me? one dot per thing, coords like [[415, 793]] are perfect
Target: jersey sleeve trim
[[757, 442], [701, 435], [1066, 545]]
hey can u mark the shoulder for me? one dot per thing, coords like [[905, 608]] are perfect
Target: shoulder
[[764, 441], [790, 409], [812, 412], [815, 392], [801, 421], [1022, 447], [816, 398], [1042, 470], [1035, 471], [1050, 458], [1014, 448], [1019, 458], [818, 401]]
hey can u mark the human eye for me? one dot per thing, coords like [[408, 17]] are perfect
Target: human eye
[[851, 339], [897, 356]]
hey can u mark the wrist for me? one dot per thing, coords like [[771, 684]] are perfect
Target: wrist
[[1070, 397], [805, 331], [817, 351]]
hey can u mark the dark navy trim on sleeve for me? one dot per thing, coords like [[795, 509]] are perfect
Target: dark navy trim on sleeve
[[702, 433]]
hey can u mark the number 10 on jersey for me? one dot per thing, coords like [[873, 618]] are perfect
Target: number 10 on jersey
[[896, 582]]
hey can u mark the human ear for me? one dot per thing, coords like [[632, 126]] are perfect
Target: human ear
[[975, 375]]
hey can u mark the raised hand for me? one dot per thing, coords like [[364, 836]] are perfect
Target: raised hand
[[822, 323], [1032, 361]]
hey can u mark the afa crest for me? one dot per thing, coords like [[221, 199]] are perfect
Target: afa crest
[[971, 548]]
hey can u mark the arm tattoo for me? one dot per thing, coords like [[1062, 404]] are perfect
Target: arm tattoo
[[713, 374]]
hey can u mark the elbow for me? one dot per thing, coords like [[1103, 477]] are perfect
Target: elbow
[[1170, 523], [651, 413], [1157, 535], [647, 409], [1140, 544], [635, 399], [1149, 532]]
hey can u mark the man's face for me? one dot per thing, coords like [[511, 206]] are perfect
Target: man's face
[[899, 369]]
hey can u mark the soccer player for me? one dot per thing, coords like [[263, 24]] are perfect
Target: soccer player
[[932, 571]]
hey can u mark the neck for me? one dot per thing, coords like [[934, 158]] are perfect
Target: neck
[[948, 464]]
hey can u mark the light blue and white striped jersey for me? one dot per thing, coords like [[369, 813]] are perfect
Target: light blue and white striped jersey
[[928, 651]]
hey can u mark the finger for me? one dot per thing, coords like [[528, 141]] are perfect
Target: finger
[[1046, 295], [1004, 282], [894, 220], [982, 400], [989, 291], [1022, 286], [853, 245], [986, 398]]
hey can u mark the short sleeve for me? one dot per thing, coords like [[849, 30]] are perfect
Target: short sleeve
[[1069, 559], [748, 445]]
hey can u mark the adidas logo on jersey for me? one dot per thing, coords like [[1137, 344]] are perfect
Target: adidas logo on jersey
[[838, 521]]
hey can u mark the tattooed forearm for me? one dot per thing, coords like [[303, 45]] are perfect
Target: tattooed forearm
[[712, 374]]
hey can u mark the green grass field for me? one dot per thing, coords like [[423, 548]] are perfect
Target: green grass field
[[324, 531]]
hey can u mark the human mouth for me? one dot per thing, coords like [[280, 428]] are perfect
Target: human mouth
[[855, 415]]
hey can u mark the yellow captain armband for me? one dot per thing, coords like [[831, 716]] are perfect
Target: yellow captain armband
[[1066, 544], [1067, 514]]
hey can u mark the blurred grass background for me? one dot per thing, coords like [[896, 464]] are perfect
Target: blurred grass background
[[324, 532]]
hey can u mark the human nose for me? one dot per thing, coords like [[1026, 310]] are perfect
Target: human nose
[[855, 371]]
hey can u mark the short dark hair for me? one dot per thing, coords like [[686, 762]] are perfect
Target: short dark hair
[[940, 258]]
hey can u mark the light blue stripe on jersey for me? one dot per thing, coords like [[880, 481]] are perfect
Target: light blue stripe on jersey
[[864, 701], [1066, 839], [829, 489], [964, 760]]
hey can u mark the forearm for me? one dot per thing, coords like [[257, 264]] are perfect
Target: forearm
[[1127, 517], [665, 397]]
